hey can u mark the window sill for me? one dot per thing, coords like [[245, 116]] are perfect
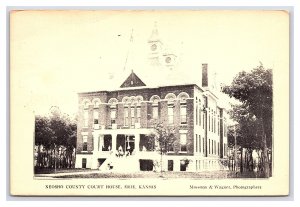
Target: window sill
[[85, 152], [183, 152]]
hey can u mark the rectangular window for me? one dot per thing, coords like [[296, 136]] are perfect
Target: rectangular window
[[132, 116], [218, 125], [215, 147], [215, 117], [170, 148], [84, 143], [183, 140], [199, 113], [96, 117], [208, 146], [203, 120], [155, 112], [170, 165], [183, 114], [213, 121], [113, 115], [138, 114], [86, 118], [196, 143], [199, 143], [203, 143], [126, 116], [208, 119], [196, 112], [170, 114], [83, 162]]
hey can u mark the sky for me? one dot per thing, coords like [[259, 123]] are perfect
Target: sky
[[56, 54]]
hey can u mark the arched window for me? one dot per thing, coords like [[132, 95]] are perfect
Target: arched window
[[154, 100], [86, 103], [126, 102], [138, 101], [132, 100], [96, 102], [171, 99], [182, 97], [113, 110]]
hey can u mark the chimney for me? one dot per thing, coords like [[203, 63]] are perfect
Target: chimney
[[204, 75]]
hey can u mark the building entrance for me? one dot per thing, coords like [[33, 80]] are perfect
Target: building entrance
[[125, 144], [129, 143]]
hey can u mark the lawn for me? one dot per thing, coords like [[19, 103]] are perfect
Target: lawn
[[58, 170], [166, 175]]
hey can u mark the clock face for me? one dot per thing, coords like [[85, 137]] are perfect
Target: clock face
[[153, 47], [168, 60]]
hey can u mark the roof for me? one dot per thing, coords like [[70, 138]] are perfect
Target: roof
[[132, 81]]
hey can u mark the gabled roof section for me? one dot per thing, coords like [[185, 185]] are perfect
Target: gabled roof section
[[132, 81]]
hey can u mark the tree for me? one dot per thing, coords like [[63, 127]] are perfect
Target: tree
[[55, 138], [246, 132], [255, 90], [164, 138]]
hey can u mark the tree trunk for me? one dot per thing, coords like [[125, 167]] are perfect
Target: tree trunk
[[266, 169], [251, 161], [241, 166], [161, 164], [264, 142], [266, 159]]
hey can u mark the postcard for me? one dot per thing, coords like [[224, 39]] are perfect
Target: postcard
[[149, 103]]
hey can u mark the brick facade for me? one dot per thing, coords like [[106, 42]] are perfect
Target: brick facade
[[119, 119], [210, 143], [146, 111]]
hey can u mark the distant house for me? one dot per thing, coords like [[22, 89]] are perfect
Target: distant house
[[114, 124]]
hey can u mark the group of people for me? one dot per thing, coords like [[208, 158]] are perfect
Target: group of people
[[121, 153]]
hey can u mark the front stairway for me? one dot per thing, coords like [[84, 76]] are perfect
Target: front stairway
[[121, 164]]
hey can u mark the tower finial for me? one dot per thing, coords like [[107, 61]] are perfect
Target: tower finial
[[154, 34]]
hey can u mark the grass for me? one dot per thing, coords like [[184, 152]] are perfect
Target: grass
[[58, 170], [164, 175]]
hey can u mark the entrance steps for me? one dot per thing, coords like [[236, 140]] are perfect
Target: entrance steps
[[121, 164]]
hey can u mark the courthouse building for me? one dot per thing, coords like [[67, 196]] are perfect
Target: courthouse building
[[114, 124]]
